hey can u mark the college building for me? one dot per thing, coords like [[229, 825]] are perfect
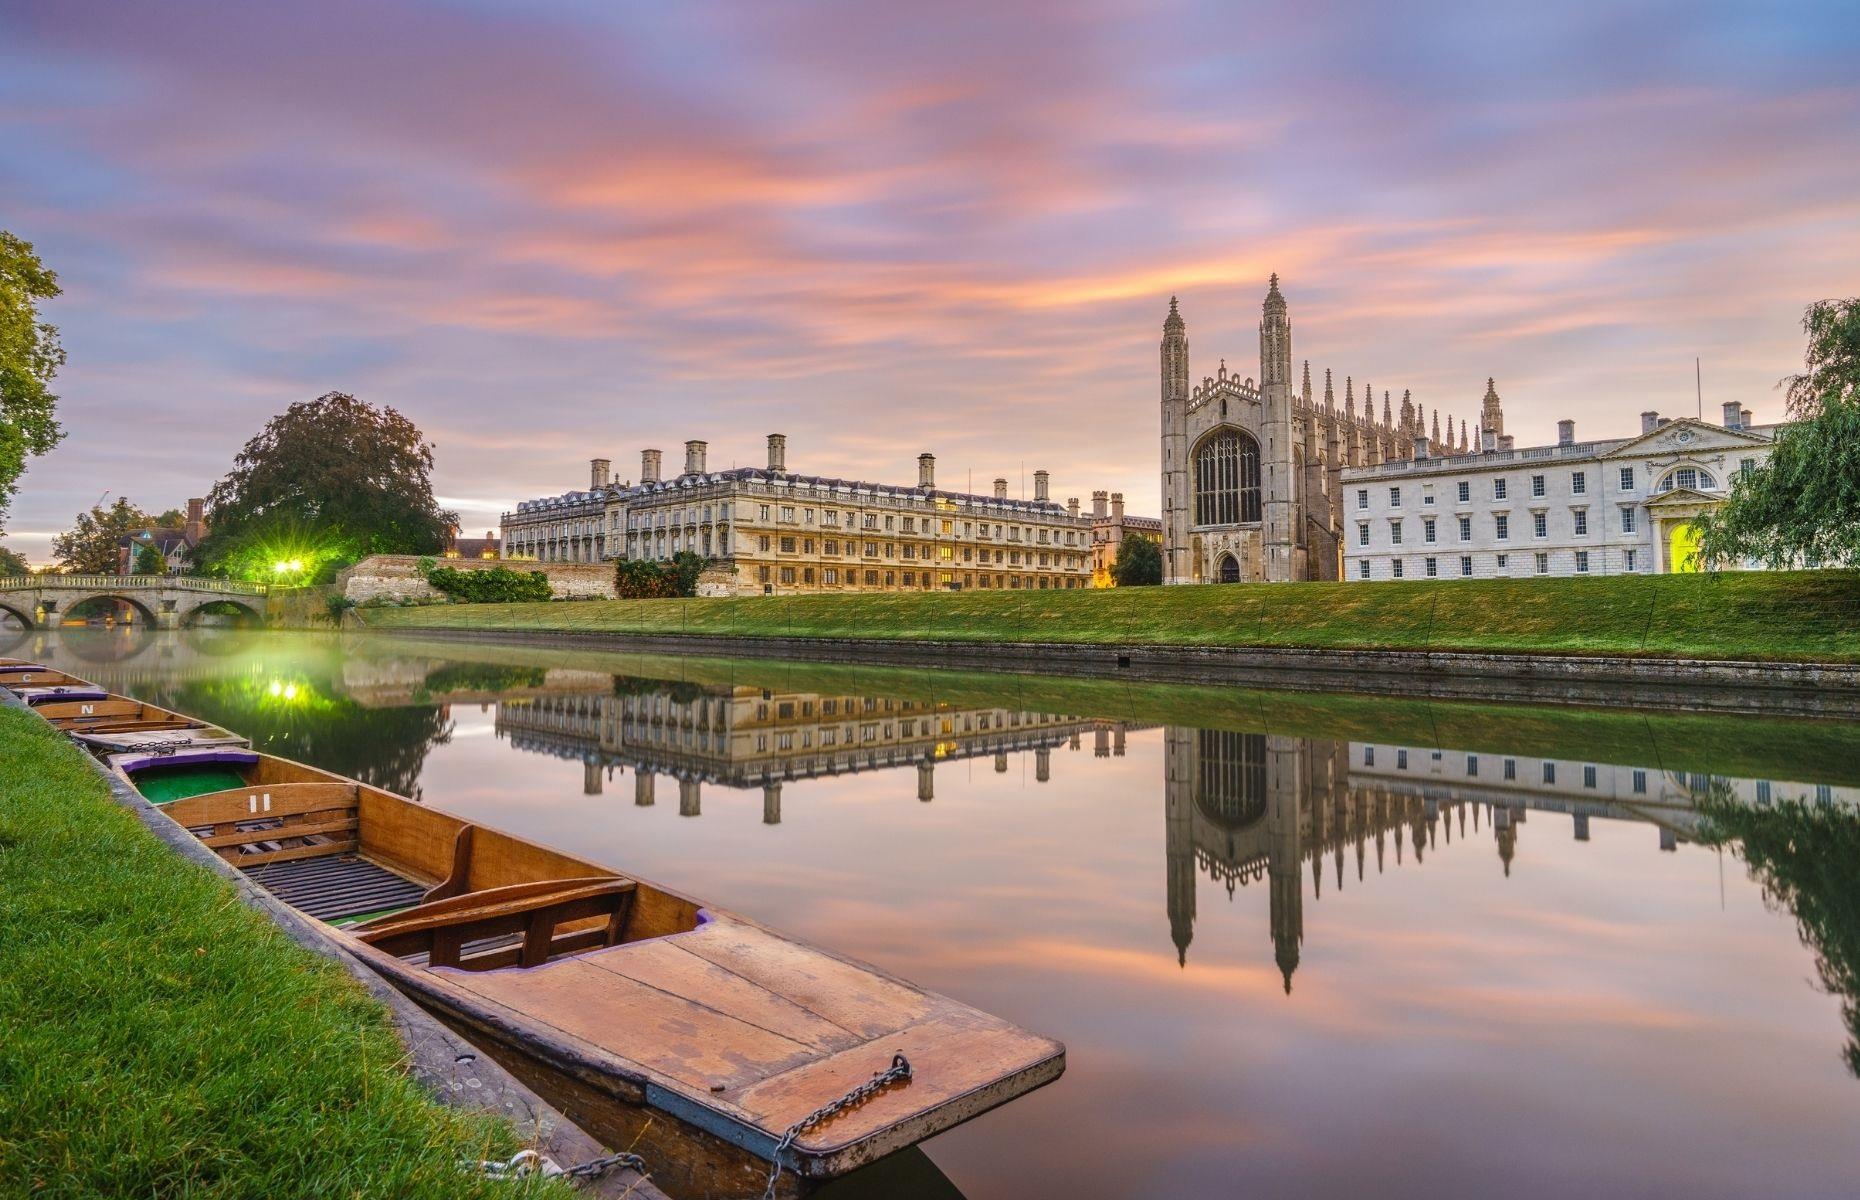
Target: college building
[[771, 531], [1619, 506]]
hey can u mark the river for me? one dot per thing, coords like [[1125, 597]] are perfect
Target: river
[[1297, 944]]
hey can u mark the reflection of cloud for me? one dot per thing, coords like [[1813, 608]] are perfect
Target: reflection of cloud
[[472, 211]]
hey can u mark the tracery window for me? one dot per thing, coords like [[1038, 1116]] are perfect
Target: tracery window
[[1693, 478], [1227, 479]]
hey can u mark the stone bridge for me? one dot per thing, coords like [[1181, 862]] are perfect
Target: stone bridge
[[163, 601]]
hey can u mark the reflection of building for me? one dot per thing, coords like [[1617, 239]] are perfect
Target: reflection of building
[[769, 529], [743, 737], [1109, 528], [1242, 808]]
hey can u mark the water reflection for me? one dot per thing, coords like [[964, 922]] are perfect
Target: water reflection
[[1289, 939]]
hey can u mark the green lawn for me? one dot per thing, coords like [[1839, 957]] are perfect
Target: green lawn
[[1803, 615], [160, 1038]]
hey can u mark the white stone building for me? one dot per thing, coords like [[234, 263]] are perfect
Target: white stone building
[[1576, 508]]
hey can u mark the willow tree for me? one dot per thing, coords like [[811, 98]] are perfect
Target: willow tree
[[1801, 507], [29, 356], [326, 482]]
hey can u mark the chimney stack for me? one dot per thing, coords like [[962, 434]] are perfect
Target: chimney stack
[[196, 520], [1117, 506], [1420, 448], [1565, 433], [1649, 421], [926, 470], [1488, 440], [694, 456], [1040, 479], [1099, 500], [1001, 489], [597, 473], [649, 466], [778, 452], [1507, 442], [1747, 420], [1733, 415], [1072, 506]]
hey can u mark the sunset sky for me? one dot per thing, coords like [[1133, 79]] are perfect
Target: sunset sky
[[550, 231]]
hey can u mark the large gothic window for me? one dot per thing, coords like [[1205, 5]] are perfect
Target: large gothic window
[[1227, 479]]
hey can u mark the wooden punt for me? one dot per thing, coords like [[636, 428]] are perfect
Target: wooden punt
[[40, 677], [113, 714], [685, 1033]]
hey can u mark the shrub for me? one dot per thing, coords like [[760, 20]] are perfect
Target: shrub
[[638, 580], [498, 585]]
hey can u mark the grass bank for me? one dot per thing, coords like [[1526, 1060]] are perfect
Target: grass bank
[[158, 1037], [1777, 616]]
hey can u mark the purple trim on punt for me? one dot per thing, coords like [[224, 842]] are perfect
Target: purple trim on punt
[[131, 763], [28, 668], [37, 696], [703, 918]]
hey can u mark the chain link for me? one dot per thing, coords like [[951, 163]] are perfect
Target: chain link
[[898, 1072], [525, 1163]]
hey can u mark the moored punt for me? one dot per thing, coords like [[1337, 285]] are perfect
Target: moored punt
[[113, 714], [36, 676], [36, 695], [691, 1035]]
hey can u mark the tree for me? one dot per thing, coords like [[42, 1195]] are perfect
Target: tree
[[149, 560], [29, 357], [12, 564], [1139, 562], [170, 518], [1802, 505], [89, 548], [326, 482]]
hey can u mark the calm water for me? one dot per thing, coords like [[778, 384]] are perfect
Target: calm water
[[1296, 945]]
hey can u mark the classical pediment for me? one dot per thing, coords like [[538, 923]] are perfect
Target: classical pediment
[[1685, 498], [1687, 437]]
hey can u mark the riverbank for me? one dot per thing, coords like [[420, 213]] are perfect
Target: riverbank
[[1802, 616], [158, 1037]]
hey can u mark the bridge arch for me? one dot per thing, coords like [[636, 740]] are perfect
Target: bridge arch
[[143, 611], [246, 613], [22, 613]]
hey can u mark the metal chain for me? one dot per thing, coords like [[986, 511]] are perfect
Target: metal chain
[[898, 1072], [525, 1163]]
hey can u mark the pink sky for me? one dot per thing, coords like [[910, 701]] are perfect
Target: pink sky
[[547, 232]]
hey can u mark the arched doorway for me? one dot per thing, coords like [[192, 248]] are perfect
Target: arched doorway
[[1227, 570]]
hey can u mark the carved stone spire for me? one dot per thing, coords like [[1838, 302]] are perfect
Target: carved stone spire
[[1174, 356], [1434, 437], [1330, 397], [1275, 338], [1388, 414], [1491, 414], [1307, 388], [1464, 445], [1408, 419], [1349, 397]]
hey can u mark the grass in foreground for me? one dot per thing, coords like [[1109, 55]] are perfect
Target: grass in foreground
[[160, 1038], [1794, 615]]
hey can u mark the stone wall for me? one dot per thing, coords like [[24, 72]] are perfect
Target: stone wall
[[397, 577]]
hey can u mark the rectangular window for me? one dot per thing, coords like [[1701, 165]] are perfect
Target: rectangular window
[[1472, 764], [1588, 776], [1537, 485], [1465, 491], [1433, 568], [1627, 479], [1427, 530], [1362, 497], [787, 513], [1579, 483], [764, 511], [1582, 562], [1627, 520], [1362, 568], [762, 543], [871, 578], [1501, 527], [1628, 560], [1395, 532], [1465, 529], [1581, 517], [1511, 768], [1640, 783], [1395, 568], [1362, 535], [1543, 563], [1369, 756], [1504, 560], [787, 574], [787, 545], [1427, 495], [1540, 525], [1394, 497], [1549, 772], [1763, 788], [833, 575], [1401, 760], [1465, 565], [1498, 489]]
